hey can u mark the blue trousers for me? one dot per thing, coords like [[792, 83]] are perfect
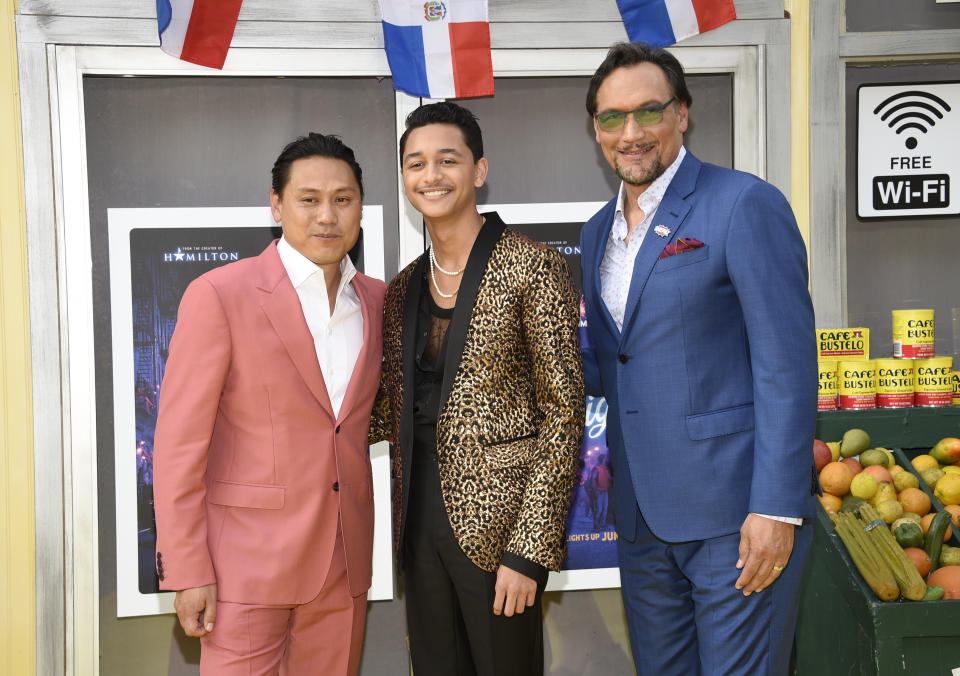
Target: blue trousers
[[686, 618]]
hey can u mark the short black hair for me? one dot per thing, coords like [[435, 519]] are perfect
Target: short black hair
[[631, 53], [313, 145], [446, 112]]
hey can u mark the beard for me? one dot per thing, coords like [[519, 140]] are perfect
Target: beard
[[636, 175]]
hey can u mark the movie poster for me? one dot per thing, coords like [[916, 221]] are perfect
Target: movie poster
[[154, 255], [591, 533]]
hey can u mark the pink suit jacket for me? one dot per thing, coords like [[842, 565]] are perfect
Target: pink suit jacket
[[251, 468]]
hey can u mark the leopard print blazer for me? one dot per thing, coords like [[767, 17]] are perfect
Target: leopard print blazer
[[510, 431]]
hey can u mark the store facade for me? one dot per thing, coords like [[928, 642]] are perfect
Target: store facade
[[100, 133]]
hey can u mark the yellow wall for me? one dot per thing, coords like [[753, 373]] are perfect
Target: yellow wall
[[800, 113], [17, 571]]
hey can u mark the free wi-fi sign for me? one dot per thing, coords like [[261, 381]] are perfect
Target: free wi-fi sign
[[908, 149]]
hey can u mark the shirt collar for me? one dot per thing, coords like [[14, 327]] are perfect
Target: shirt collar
[[649, 200], [299, 268]]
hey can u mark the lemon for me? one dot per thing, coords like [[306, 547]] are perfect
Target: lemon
[[931, 476], [904, 479], [922, 462], [890, 510], [885, 491], [952, 469], [864, 486], [947, 490]]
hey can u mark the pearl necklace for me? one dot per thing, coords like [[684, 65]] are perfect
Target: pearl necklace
[[433, 276], [433, 259]]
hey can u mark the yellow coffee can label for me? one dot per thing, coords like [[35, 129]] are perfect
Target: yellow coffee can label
[[847, 344], [827, 386], [913, 334], [895, 383], [856, 384], [934, 381], [955, 377]]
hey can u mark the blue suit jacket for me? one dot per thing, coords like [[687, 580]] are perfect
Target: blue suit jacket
[[712, 385]]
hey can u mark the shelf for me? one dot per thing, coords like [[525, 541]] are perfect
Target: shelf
[[905, 428]]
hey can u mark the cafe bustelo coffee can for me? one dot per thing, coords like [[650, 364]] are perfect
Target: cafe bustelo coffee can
[[856, 384], [827, 385], [895, 383], [913, 334], [934, 381]]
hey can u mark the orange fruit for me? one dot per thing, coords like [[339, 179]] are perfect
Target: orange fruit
[[922, 462], [835, 478], [879, 472], [914, 500], [954, 514], [831, 503], [920, 559], [947, 577]]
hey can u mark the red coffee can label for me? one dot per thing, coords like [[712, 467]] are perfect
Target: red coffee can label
[[888, 400], [857, 401]]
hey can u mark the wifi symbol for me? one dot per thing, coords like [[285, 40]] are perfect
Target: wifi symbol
[[912, 118]]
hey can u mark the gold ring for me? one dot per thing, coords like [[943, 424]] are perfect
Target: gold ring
[[779, 569]]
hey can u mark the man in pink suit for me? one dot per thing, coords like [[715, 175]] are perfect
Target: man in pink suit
[[263, 488]]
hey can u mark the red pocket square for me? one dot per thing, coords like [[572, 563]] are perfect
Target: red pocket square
[[682, 244]]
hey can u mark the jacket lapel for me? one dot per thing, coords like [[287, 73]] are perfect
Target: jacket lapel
[[671, 212], [371, 331], [282, 306], [408, 348], [601, 234], [483, 246]]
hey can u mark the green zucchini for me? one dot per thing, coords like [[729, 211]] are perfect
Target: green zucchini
[[934, 542], [934, 593]]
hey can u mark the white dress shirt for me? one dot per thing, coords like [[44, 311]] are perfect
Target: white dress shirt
[[616, 267], [337, 338]]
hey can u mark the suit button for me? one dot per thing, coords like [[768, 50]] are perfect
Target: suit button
[[336, 485], [624, 359], [337, 430]]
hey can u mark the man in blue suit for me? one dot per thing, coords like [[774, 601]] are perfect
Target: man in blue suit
[[695, 281]]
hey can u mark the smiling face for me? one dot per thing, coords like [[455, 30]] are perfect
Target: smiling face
[[320, 209], [440, 175], [640, 154]]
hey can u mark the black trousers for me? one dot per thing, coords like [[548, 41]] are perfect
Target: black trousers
[[449, 600]]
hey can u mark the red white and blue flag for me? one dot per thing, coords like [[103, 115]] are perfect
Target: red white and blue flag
[[662, 23], [438, 50], [198, 31]]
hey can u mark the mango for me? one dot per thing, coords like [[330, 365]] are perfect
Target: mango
[[947, 451], [855, 441]]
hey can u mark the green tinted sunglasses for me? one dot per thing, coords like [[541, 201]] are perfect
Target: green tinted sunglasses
[[644, 117]]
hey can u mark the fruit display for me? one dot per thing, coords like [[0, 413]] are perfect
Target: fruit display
[[894, 532]]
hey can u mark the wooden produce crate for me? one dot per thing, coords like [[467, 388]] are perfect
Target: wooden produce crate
[[843, 628]]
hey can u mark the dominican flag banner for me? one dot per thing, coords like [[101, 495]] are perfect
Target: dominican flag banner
[[438, 50], [661, 23], [198, 31]]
